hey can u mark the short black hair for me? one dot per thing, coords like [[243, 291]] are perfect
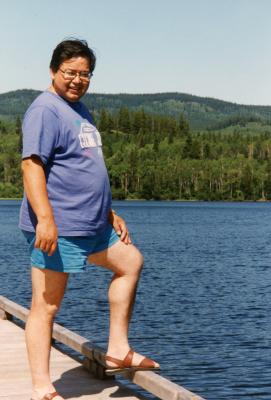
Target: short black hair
[[72, 48]]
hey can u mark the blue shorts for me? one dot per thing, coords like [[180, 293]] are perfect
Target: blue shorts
[[72, 251]]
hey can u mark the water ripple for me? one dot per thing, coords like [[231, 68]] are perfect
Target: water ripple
[[203, 300]]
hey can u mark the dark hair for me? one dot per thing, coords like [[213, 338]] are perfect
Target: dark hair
[[72, 48]]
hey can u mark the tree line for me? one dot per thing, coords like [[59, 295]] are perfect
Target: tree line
[[159, 157]]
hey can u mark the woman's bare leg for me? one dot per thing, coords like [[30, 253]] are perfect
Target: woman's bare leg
[[126, 262], [48, 289]]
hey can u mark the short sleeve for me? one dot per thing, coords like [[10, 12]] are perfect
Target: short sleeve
[[40, 133]]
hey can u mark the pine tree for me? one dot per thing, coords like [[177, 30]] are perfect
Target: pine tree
[[156, 143], [141, 138], [124, 123], [18, 130], [103, 121], [183, 125], [186, 153], [267, 185]]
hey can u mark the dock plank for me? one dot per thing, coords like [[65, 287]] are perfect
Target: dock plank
[[69, 377]]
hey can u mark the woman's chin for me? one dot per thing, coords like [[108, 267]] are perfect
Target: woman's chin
[[73, 96]]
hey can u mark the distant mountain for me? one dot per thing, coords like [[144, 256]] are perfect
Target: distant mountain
[[202, 112]]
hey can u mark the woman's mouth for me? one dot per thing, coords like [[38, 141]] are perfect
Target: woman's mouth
[[74, 90]]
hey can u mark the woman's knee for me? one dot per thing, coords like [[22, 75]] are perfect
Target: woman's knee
[[47, 310], [48, 291], [137, 261]]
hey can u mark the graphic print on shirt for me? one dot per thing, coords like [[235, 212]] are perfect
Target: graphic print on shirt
[[89, 136]]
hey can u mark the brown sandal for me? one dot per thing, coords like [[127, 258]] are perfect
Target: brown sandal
[[49, 396], [125, 365]]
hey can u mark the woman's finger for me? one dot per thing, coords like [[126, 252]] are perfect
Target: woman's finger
[[48, 246], [123, 232], [129, 241], [37, 243], [42, 245], [52, 248]]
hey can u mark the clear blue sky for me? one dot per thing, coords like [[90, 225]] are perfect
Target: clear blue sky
[[214, 48]]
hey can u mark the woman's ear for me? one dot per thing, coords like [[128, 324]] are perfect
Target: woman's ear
[[52, 74]]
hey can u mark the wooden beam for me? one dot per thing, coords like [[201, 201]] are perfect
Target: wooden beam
[[161, 387]]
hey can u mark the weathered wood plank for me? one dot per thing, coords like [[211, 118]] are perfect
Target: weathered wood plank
[[69, 376], [150, 381], [162, 387]]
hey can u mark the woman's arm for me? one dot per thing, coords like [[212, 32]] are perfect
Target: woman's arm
[[36, 192]]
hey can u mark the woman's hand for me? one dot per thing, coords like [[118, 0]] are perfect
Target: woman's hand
[[46, 236], [120, 227]]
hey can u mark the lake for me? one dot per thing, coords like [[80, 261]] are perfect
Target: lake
[[203, 304]]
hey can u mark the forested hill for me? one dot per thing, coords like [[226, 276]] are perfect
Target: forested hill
[[201, 112]]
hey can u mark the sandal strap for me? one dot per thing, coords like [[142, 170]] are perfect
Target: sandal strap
[[125, 363], [147, 363], [50, 396], [115, 360]]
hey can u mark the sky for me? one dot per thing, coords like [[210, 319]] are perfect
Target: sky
[[209, 48]]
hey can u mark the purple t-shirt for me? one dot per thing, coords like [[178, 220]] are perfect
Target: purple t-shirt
[[63, 135]]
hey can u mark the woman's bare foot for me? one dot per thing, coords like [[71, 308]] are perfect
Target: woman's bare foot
[[45, 393], [120, 355]]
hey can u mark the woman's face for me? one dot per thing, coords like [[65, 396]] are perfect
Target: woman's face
[[71, 89]]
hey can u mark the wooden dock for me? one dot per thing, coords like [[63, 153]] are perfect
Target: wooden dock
[[73, 379]]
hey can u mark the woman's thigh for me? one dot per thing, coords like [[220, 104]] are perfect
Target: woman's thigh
[[48, 286], [119, 258]]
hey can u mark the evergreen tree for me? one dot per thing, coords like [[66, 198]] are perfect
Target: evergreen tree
[[124, 123], [141, 140], [186, 153], [268, 180], [18, 130], [156, 144], [183, 125], [103, 121]]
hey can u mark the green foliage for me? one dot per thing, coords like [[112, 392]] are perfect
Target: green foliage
[[13, 104], [200, 112], [10, 174], [153, 156], [229, 164]]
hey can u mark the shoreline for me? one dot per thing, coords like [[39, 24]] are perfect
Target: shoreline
[[169, 200]]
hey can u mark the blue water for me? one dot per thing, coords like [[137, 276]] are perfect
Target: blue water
[[203, 306]]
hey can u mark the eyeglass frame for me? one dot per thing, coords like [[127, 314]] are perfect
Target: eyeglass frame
[[90, 74]]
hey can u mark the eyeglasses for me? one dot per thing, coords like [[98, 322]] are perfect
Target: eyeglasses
[[70, 74]]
